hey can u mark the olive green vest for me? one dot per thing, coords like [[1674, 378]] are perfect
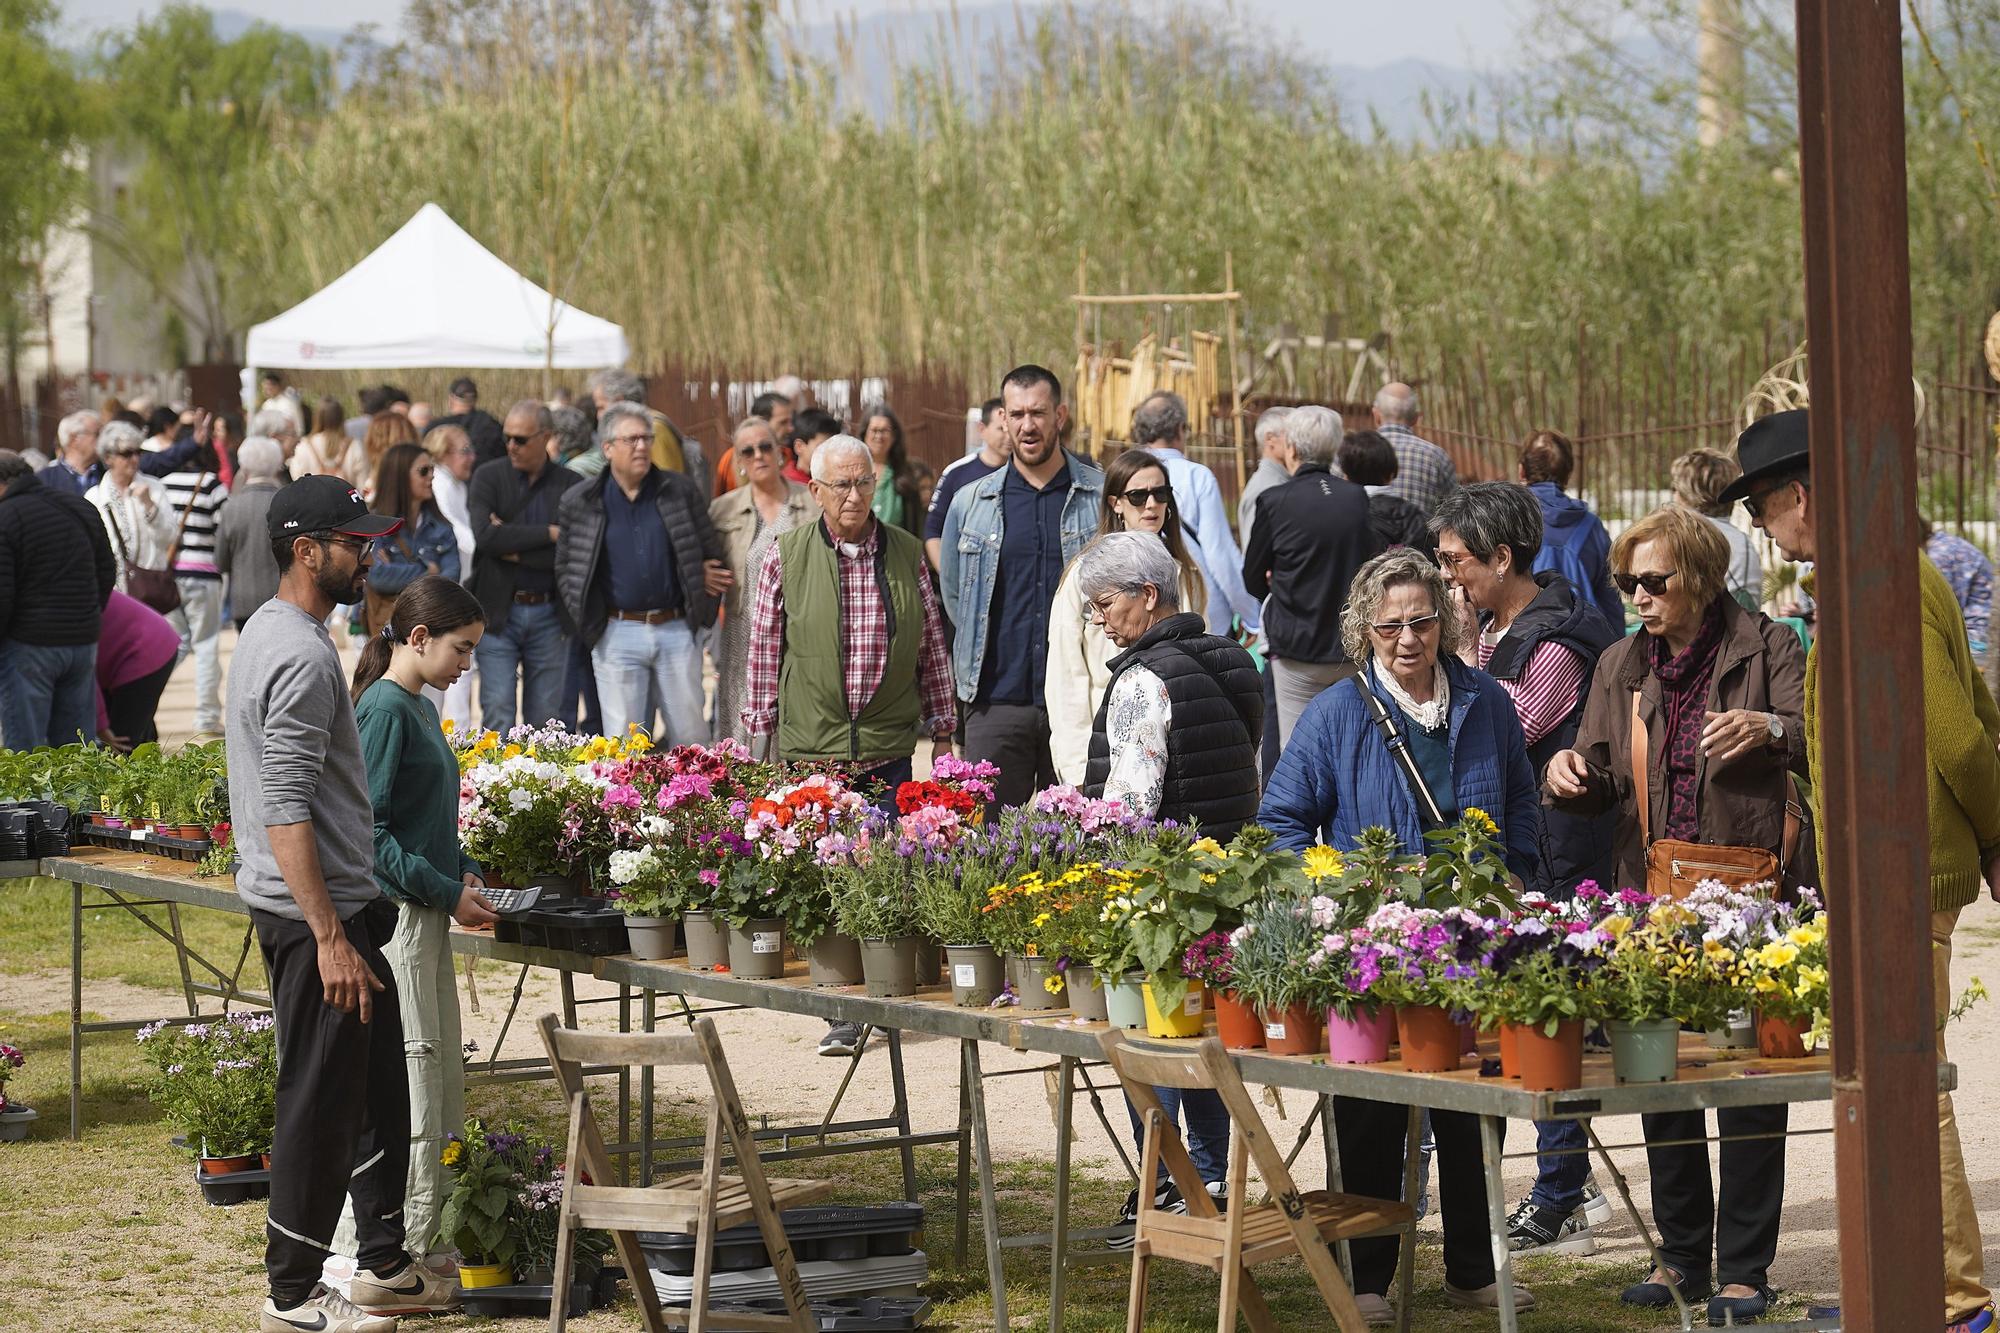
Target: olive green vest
[[812, 688]]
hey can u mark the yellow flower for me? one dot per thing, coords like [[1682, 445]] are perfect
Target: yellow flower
[[1778, 953], [452, 1152], [1208, 845], [1482, 821], [512, 751], [1323, 862], [1617, 926], [1053, 982], [449, 726]]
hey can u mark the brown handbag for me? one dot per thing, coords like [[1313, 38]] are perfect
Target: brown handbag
[[1675, 866], [154, 587]]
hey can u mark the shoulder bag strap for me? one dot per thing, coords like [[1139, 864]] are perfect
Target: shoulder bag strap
[[117, 532], [174, 547], [1428, 812], [1641, 778]]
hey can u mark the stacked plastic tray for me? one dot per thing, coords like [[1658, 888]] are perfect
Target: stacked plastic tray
[[588, 926], [30, 830], [860, 1266]]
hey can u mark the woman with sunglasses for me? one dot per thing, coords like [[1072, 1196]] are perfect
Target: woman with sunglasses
[[426, 543], [748, 518], [1137, 498], [1336, 778], [1721, 693]]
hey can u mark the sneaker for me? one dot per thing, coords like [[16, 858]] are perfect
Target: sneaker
[[323, 1312], [1537, 1230], [1168, 1200], [1981, 1322], [842, 1040], [1596, 1208], [415, 1290], [1488, 1297], [1376, 1310], [1218, 1190]]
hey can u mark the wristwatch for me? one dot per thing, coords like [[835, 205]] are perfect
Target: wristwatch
[[1777, 728]]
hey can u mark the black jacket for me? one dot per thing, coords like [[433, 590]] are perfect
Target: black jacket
[[1574, 847], [481, 427], [1311, 536], [581, 573], [1218, 719], [56, 570], [1398, 522], [494, 493]]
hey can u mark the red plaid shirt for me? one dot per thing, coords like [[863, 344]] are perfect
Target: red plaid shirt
[[865, 625]]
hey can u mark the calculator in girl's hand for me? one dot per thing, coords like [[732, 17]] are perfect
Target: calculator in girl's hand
[[508, 901]]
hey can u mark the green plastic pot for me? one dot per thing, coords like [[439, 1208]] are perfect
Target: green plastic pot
[[1645, 1050]]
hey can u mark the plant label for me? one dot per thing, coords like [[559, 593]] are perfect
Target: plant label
[[1274, 1031], [766, 941], [964, 975], [1191, 1005]]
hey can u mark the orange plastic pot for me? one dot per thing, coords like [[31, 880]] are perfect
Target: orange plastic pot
[[1296, 1029], [1432, 1043], [1781, 1038], [1550, 1064], [1236, 1022], [1510, 1058]]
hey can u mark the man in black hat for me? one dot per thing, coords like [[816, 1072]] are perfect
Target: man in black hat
[[1961, 729], [304, 830]]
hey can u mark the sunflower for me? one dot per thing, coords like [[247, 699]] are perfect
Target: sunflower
[[1479, 819], [1323, 862]]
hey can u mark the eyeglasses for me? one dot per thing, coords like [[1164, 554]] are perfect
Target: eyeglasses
[[362, 549], [1141, 496], [513, 440], [423, 470], [126, 453], [630, 441], [847, 488], [1388, 631], [1753, 503], [752, 450], [1097, 612], [1654, 584], [1452, 559]]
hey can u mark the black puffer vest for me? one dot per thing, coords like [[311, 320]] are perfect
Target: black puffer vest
[[1218, 718], [1574, 848]]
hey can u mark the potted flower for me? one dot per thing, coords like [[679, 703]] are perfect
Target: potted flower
[[1650, 985], [15, 1117], [1540, 990], [650, 902], [1209, 961], [518, 801], [1268, 968], [875, 904], [792, 829], [217, 1083], [1788, 983], [1341, 970], [1186, 887], [1429, 959], [480, 1212]]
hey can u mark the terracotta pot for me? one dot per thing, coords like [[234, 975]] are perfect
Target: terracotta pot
[[1549, 1064], [1781, 1038], [1510, 1056], [229, 1166], [1360, 1040], [1237, 1023], [1295, 1029], [1432, 1043]]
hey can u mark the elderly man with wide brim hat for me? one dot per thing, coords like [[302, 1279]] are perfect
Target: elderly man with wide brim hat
[[1963, 791]]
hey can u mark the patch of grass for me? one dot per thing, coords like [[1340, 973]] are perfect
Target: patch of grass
[[34, 922]]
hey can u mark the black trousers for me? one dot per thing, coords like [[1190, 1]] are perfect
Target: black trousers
[[1268, 756], [343, 1107], [1740, 1224], [131, 707], [1016, 737], [1369, 1136]]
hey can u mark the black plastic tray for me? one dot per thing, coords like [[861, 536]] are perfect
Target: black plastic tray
[[848, 1314], [587, 926], [829, 1233], [523, 1300], [235, 1187]]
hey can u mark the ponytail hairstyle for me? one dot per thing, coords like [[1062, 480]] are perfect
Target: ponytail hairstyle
[[433, 601]]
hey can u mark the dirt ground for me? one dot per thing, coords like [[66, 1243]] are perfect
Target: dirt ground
[[781, 1076]]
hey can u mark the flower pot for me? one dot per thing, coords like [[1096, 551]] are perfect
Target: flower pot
[[1033, 989], [1432, 1043], [1362, 1039], [890, 966], [1738, 1034], [1237, 1023], [473, 1276], [707, 937], [1781, 1038], [976, 974], [757, 949], [1086, 997], [1293, 1029], [1183, 1020], [573, 885], [1646, 1051], [1125, 1002], [265, 1158], [835, 960], [229, 1166], [1510, 1050], [14, 1122], [98, 819], [651, 937], [930, 963], [1550, 1064]]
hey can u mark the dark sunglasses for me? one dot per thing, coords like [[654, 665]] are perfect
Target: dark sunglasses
[[761, 447], [1140, 496], [1654, 584], [1753, 503], [520, 439]]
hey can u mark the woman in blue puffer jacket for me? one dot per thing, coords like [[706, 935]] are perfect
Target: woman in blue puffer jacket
[[1336, 778]]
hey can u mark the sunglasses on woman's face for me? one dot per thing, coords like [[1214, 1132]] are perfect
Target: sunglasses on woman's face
[[1654, 584], [1141, 496], [424, 471]]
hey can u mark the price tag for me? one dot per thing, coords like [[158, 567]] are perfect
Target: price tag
[[1274, 1031], [766, 941], [1192, 1004], [964, 975]]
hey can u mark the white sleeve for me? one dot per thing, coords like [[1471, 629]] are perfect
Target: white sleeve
[[1136, 725]]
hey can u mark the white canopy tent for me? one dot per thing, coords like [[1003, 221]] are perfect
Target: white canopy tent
[[431, 296]]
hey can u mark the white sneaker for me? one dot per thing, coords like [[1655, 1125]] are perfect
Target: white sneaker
[[415, 1290], [323, 1312], [1596, 1206]]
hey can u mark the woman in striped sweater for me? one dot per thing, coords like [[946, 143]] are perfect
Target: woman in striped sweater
[[195, 495]]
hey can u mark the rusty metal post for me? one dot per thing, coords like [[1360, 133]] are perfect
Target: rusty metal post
[[1872, 794]]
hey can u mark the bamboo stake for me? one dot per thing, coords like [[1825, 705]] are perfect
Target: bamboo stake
[[1235, 386]]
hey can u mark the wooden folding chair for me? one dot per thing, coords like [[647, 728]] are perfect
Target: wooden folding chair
[[697, 1204], [1287, 1222]]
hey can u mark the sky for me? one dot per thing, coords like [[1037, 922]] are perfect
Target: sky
[[1469, 33]]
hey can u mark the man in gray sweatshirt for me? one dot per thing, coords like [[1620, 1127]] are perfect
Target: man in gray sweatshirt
[[304, 831]]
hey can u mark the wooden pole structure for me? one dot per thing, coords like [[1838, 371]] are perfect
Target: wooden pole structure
[[1872, 781], [1230, 298]]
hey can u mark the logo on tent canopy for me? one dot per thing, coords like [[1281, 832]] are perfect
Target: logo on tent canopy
[[307, 351]]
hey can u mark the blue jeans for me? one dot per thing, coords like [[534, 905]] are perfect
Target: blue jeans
[[48, 695], [532, 644], [1207, 1128], [579, 680], [1559, 1185], [641, 668]]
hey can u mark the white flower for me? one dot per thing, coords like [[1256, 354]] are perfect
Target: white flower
[[520, 798], [628, 866], [653, 826]]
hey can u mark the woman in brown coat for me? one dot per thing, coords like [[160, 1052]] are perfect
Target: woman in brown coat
[[748, 518], [1721, 693]]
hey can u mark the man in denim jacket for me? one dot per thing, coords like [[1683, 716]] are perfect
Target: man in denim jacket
[[1007, 540]]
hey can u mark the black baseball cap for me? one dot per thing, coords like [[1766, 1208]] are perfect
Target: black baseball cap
[[324, 504]]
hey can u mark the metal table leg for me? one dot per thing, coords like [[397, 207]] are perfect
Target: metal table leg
[[1632, 1211], [1496, 1217], [181, 958], [982, 1151], [1059, 1241], [75, 1012], [624, 1087]]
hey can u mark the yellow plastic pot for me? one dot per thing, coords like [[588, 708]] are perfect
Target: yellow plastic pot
[[471, 1276], [1184, 1021]]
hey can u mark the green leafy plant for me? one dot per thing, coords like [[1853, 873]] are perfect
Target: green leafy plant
[[873, 900], [217, 1081], [1184, 888]]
